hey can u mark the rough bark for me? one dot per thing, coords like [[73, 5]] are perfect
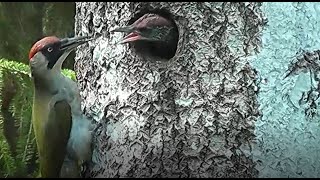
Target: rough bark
[[288, 132], [191, 116]]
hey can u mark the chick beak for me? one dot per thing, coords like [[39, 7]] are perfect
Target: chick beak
[[133, 35], [127, 29]]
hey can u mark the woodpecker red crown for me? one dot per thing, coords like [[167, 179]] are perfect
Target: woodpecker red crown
[[41, 43]]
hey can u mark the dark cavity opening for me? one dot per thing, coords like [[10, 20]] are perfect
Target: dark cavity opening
[[161, 50]]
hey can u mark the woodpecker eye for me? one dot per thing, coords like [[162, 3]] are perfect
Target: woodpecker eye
[[50, 49]]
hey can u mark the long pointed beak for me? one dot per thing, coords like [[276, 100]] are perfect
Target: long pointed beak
[[127, 29], [68, 44], [132, 36]]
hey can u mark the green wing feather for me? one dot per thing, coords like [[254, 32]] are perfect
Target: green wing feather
[[52, 142]]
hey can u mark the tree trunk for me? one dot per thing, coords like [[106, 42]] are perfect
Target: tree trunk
[[288, 132], [20, 25], [194, 116], [190, 116]]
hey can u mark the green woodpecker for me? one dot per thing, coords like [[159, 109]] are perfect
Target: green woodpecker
[[63, 133]]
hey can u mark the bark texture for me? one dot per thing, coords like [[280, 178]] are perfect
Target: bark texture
[[190, 116], [288, 132]]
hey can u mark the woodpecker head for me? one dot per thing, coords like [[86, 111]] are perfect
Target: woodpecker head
[[50, 52], [150, 27]]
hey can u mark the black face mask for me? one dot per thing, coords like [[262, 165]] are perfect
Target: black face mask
[[52, 52]]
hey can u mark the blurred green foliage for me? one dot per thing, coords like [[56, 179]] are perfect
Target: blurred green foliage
[[18, 153], [23, 23]]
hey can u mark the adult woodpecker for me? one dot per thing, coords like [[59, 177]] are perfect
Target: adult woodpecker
[[152, 33], [63, 133]]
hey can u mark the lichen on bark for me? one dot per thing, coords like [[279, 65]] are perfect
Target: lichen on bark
[[190, 116], [286, 140]]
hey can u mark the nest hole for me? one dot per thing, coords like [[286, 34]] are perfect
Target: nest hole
[[164, 51]]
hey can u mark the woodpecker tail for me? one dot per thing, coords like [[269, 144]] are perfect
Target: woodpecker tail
[[70, 168]]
